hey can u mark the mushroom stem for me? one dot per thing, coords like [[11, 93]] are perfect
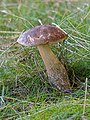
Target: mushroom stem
[[56, 72]]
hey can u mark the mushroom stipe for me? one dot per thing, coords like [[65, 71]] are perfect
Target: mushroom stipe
[[41, 36]]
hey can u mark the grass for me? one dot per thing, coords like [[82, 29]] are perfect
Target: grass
[[24, 90]]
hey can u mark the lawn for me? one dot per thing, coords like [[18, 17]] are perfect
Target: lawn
[[25, 93]]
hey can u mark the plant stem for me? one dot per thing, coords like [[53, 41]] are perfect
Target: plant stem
[[56, 72]]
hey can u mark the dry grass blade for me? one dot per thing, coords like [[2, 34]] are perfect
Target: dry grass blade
[[10, 32], [8, 48], [84, 105]]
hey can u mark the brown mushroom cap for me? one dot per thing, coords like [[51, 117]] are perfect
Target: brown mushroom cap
[[41, 35]]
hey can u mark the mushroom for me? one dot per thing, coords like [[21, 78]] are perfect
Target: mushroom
[[41, 36]]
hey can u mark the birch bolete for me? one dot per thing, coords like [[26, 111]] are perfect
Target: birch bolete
[[41, 36]]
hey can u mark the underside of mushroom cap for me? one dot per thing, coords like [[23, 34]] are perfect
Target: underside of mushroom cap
[[41, 35]]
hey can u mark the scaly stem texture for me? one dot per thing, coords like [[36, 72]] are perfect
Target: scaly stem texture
[[56, 72]]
